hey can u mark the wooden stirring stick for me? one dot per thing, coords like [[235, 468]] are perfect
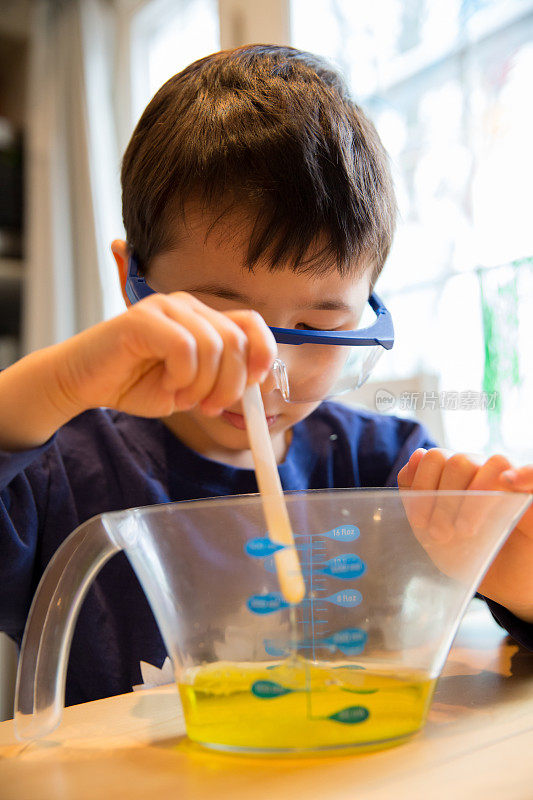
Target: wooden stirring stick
[[279, 526]]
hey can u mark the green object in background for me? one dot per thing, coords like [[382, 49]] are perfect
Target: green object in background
[[500, 301]]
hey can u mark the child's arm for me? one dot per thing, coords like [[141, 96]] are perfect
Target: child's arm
[[165, 354], [509, 579]]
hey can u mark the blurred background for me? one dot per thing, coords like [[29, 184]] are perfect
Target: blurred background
[[448, 86]]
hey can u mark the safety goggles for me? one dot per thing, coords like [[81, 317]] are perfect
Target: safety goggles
[[312, 365]]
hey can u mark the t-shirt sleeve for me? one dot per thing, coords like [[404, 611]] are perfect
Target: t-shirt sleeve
[[21, 501], [385, 446], [416, 437]]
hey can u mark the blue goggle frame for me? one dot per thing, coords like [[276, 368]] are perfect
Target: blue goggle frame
[[381, 332]]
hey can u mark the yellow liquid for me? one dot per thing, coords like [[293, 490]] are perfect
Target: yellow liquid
[[296, 704]]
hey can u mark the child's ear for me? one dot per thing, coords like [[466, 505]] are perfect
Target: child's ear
[[121, 253]]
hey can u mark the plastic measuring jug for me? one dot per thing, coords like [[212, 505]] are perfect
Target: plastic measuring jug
[[388, 576]]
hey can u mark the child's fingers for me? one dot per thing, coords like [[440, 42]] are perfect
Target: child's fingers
[[457, 474], [262, 347], [209, 348], [407, 473], [520, 479], [168, 353], [148, 333], [430, 469], [473, 513], [405, 480], [248, 349], [427, 476], [231, 350], [232, 377], [488, 474]]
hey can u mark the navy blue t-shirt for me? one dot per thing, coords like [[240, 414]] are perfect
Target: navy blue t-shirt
[[106, 461]]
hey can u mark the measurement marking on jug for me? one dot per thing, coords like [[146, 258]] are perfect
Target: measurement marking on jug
[[351, 715], [269, 689], [344, 567], [318, 571], [266, 603], [347, 598], [350, 641], [342, 533], [312, 607], [261, 547]]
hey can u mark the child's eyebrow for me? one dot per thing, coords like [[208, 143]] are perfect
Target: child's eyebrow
[[227, 293]]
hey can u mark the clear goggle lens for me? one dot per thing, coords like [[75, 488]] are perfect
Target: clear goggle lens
[[308, 373]]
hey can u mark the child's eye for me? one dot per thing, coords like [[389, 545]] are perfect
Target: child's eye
[[305, 327]]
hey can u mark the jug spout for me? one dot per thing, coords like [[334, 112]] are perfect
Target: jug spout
[[42, 667]]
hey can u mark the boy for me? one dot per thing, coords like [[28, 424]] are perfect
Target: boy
[[250, 182]]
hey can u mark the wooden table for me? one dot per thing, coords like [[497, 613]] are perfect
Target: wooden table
[[478, 743]]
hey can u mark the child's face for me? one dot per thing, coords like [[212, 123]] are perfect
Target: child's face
[[211, 268]]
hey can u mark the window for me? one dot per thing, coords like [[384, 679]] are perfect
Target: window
[[166, 36], [447, 83]]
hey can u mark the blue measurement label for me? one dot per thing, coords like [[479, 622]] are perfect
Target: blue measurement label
[[350, 641], [347, 598], [262, 547], [266, 690], [345, 567], [270, 690], [273, 601], [351, 715], [343, 533], [266, 603]]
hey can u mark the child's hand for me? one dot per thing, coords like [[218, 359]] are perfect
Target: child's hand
[[167, 353], [446, 528]]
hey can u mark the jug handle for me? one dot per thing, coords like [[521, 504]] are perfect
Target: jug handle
[[43, 660]]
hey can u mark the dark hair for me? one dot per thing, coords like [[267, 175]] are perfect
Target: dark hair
[[270, 131]]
